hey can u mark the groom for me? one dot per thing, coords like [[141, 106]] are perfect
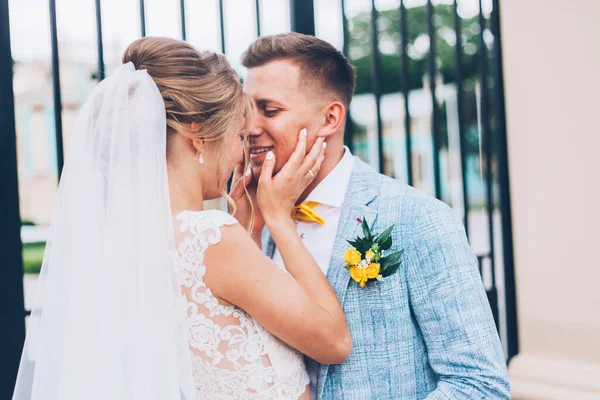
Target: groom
[[425, 332]]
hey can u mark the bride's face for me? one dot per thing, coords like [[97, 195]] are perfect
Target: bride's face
[[234, 154], [219, 161], [236, 149]]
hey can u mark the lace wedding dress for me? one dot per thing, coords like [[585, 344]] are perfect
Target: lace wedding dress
[[232, 355]]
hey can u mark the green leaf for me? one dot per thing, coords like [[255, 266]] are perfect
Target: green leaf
[[391, 259], [352, 243], [366, 230], [385, 235], [391, 270], [386, 244], [362, 245]]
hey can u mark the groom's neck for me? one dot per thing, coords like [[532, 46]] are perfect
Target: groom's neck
[[333, 155]]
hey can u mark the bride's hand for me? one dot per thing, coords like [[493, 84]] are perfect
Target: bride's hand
[[277, 195], [244, 209]]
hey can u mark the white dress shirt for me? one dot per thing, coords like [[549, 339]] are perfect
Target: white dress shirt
[[319, 239]]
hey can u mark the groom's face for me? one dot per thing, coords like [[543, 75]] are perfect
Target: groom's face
[[284, 107]]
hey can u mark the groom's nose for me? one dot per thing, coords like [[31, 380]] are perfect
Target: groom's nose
[[256, 130]]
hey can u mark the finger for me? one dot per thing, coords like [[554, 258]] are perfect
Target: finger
[[245, 184], [295, 160], [236, 182], [238, 171], [312, 157], [266, 175], [314, 169], [241, 177], [248, 176], [252, 183]]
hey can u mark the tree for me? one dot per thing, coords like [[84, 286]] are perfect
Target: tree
[[388, 28]]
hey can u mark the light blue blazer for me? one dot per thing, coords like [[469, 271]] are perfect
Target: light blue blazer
[[426, 332]]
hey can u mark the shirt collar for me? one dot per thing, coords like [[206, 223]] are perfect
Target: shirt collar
[[332, 190]]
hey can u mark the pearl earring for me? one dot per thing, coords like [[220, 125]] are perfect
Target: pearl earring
[[201, 157]]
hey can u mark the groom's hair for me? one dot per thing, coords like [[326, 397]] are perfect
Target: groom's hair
[[321, 64]]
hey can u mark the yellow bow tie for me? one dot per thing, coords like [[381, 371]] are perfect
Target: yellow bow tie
[[304, 212]]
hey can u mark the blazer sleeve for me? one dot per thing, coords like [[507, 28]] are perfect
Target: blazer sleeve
[[449, 304]]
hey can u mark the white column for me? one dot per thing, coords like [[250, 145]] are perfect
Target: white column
[[552, 73]]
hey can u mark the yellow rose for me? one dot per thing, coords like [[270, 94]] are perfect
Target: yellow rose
[[369, 255], [372, 271], [352, 256], [359, 275]]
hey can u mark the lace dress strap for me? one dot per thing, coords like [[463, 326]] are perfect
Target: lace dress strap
[[199, 230], [198, 221]]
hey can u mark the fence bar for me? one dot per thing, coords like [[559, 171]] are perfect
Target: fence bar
[[375, 84], [12, 318], [405, 91], [487, 133], [143, 18], [56, 89], [258, 18], [349, 130], [100, 74], [222, 25], [182, 13], [458, 53], [504, 188], [435, 124], [302, 16], [345, 32]]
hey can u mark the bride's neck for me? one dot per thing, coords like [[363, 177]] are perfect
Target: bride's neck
[[184, 196]]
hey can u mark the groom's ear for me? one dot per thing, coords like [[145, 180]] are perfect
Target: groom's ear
[[335, 115]]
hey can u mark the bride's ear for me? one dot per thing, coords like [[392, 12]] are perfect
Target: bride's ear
[[335, 115], [197, 143]]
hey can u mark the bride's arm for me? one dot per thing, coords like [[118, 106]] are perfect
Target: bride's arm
[[302, 310]]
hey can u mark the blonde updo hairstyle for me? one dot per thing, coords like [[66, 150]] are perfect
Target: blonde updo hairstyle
[[197, 87]]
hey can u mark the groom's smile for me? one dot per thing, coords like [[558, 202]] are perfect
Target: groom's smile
[[258, 154]]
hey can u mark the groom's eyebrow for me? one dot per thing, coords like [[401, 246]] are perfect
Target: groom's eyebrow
[[264, 101]]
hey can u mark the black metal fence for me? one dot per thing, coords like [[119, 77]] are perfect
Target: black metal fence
[[490, 127], [12, 318]]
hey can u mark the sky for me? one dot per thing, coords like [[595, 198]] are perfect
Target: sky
[[30, 35]]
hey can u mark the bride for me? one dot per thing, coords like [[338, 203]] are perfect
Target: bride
[[145, 295]]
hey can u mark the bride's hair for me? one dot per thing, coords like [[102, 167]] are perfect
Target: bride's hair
[[196, 86]]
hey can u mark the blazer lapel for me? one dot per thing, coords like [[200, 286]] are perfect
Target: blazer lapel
[[355, 208]]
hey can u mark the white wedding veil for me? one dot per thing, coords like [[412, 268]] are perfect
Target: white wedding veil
[[106, 324]]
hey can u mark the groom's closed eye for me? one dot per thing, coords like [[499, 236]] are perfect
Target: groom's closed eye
[[271, 111], [268, 107]]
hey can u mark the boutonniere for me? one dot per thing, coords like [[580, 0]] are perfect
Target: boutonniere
[[366, 259]]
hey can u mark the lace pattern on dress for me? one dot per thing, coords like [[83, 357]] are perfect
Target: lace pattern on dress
[[233, 356]]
